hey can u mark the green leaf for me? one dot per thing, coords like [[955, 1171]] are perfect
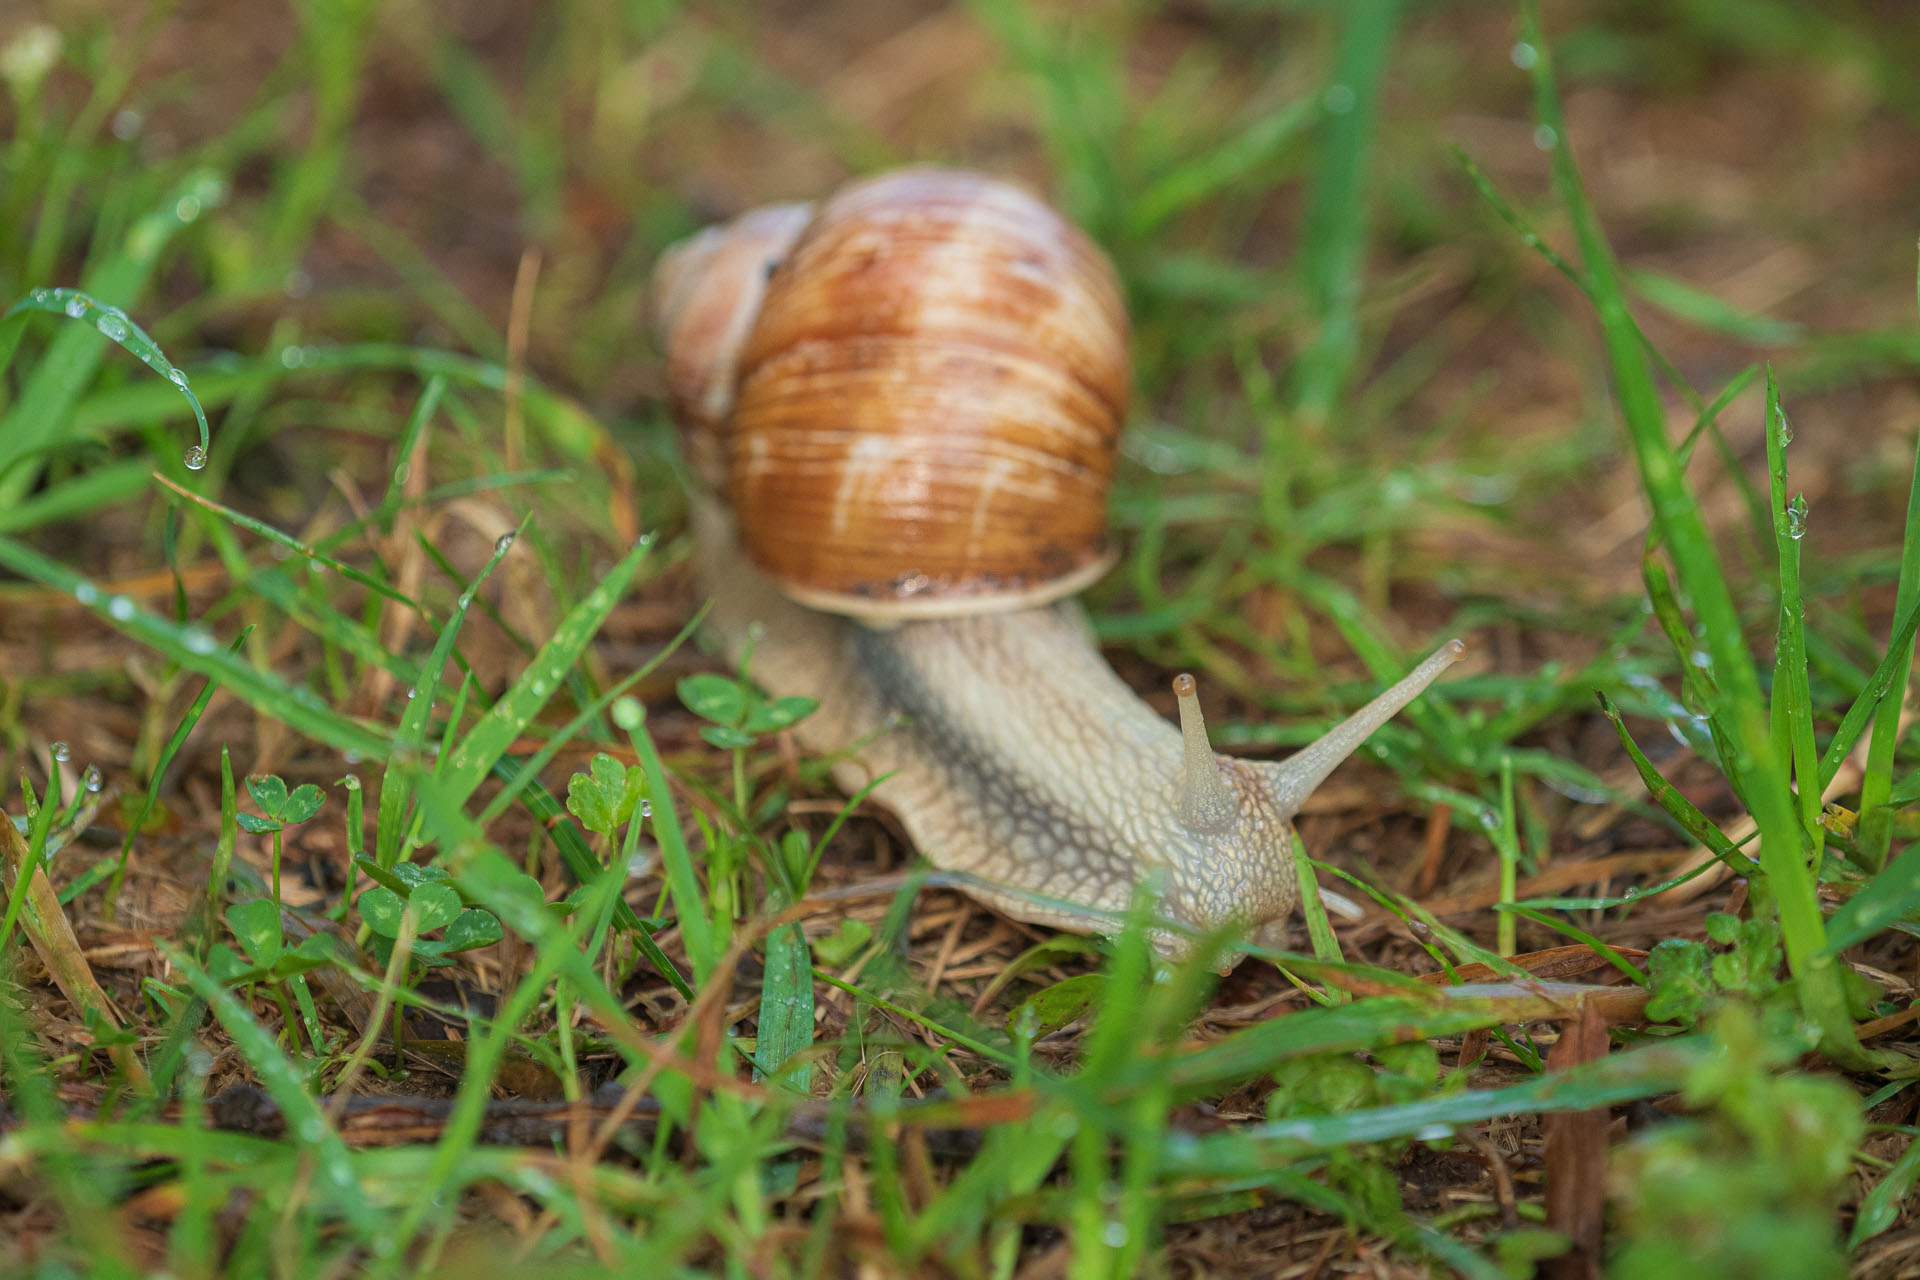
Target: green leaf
[[1887, 898], [315, 951], [714, 697], [255, 823], [269, 792], [1682, 980], [781, 713], [226, 966], [1051, 1008], [604, 797], [725, 738], [786, 1009], [415, 874], [257, 925], [837, 949], [302, 804], [381, 908], [474, 927], [435, 906]]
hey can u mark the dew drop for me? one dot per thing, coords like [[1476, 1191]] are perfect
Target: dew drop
[[1114, 1235], [298, 284], [628, 713], [1524, 56], [1544, 137], [292, 357], [351, 757], [76, 307], [1338, 99], [176, 376], [505, 543], [120, 608], [186, 209], [1632, 891], [466, 600], [85, 592], [41, 295], [646, 808], [91, 779], [1797, 518], [351, 782], [412, 694], [196, 458], [61, 752], [114, 326], [127, 123], [200, 640]]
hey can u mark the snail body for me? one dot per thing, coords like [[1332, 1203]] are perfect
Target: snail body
[[902, 408]]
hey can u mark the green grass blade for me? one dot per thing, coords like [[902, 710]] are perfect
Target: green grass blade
[[1792, 708], [1334, 238], [1876, 819], [193, 648], [44, 411], [411, 736], [462, 772]]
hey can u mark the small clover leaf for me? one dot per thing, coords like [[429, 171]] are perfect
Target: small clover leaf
[[1681, 973], [279, 808], [474, 928], [781, 713], [257, 926], [302, 804], [434, 906], [722, 736], [837, 949], [604, 797], [269, 792], [381, 907], [714, 697]]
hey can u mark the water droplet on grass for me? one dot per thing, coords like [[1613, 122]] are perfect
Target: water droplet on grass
[[505, 543], [1544, 137], [196, 458], [1524, 56], [112, 324], [76, 307], [120, 608], [61, 752], [91, 779]]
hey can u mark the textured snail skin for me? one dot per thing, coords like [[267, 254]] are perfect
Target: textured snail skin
[[1001, 739], [1010, 751]]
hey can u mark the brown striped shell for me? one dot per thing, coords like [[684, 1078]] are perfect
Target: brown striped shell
[[911, 400]]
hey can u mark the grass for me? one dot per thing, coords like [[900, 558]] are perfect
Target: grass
[[503, 851]]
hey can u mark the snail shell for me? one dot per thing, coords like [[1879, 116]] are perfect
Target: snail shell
[[925, 400]]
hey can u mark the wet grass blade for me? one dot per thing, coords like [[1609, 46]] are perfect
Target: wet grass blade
[[43, 412], [462, 772], [410, 738], [193, 648]]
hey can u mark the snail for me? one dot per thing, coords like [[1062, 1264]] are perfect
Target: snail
[[901, 409]]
